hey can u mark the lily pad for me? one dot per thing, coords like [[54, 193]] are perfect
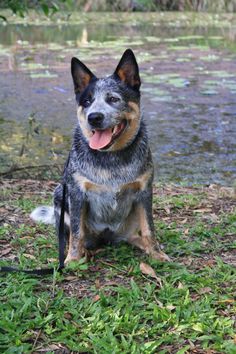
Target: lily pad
[[209, 92], [210, 57], [220, 73], [183, 60], [33, 66], [231, 85], [178, 82], [155, 91], [46, 75], [187, 38], [166, 98], [153, 39]]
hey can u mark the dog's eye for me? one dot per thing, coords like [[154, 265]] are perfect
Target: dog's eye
[[87, 102], [113, 99]]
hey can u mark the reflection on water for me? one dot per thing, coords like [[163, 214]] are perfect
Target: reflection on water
[[188, 93]]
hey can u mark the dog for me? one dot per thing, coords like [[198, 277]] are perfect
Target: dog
[[109, 174]]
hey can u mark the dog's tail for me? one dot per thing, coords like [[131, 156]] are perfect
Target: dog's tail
[[44, 214]]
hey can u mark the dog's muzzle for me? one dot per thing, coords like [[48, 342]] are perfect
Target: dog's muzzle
[[96, 119]]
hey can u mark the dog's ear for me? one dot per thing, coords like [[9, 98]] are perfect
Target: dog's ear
[[81, 75], [127, 70]]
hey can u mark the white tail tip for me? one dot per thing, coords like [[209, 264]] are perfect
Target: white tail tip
[[44, 214]]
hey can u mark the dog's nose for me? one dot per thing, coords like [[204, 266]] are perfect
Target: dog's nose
[[95, 119]]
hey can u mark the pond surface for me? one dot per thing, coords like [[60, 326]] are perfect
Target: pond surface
[[188, 70]]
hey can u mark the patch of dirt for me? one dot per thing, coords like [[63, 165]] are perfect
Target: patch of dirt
[[215, 201]]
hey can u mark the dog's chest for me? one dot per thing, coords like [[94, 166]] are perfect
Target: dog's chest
[[108, 209], [110, 205]]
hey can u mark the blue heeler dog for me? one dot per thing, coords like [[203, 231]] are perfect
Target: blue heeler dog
[[110, 171]]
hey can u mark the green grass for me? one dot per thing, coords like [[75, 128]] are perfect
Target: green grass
[[108, 305]]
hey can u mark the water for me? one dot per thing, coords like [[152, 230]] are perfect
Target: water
[[188, 90]]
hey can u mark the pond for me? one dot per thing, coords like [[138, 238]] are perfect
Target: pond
[[188, 70]]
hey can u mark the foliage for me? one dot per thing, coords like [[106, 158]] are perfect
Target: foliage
[[121, 301], [21, 7]]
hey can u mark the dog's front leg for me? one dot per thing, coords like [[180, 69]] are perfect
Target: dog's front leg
[[146, 239], [77, 210]]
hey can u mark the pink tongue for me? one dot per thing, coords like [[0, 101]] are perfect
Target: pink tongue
[[100, 139]]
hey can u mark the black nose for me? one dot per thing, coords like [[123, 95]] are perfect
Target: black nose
[[95, 119]]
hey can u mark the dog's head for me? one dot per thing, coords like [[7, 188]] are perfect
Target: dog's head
[[108, 108]]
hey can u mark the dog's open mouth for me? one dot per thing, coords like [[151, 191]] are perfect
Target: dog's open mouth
[[103, 139]]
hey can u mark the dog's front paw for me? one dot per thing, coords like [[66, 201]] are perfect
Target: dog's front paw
[[71, 258], [88, 254]]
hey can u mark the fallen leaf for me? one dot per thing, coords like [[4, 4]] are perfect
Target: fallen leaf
[[205, 290], [111, 283], [170, 307], [159, 303], [96, 298], [195, 297], [30, 256], [97, 284], [50, 260], [6, 251], [130, 269], [68, 315], [192, 346], [94, 268], [203, 210], [226, 301], [210, 263], [148, 270], [214, 217], [51, 347], [180, 285], [71, 278], [46, 246], [167, 210], [183, 221]]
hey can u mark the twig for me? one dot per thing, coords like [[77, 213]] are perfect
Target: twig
[[16, 168], [37, 337], [113, 266]]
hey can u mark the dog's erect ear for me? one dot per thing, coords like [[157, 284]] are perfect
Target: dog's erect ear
[[127, 70], [81, 75]]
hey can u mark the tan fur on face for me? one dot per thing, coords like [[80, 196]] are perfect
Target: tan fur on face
[[133, 119], [83, 124]]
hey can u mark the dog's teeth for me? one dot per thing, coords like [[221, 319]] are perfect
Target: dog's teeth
[[115, 129]]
